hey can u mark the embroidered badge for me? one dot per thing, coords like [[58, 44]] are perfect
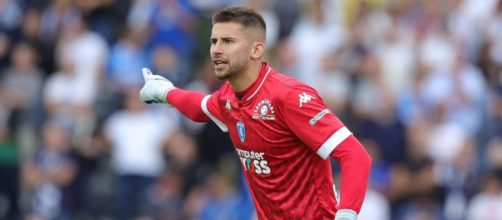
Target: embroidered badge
[[318, 116], [264, 110], [241, 130]]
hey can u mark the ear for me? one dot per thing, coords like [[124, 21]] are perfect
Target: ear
[[257, 50]]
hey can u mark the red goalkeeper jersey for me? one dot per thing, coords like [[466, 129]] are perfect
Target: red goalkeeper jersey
[[283, 133]]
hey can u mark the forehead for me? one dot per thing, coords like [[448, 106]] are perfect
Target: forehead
[[227, 29]]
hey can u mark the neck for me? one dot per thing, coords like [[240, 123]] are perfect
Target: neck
[[243, 80]]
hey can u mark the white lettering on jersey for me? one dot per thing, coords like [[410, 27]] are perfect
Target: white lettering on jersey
[[318, 116], [304, 98], [261, 167], [253, 161]]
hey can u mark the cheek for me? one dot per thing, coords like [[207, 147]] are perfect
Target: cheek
[[242, 53], [241, 56], [238, 54]]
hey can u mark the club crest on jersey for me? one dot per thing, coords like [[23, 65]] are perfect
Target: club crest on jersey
[[241, 130], [264, 110]]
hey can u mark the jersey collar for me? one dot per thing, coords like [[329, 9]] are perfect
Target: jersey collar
[[250, 92]]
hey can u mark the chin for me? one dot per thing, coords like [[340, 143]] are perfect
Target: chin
[[221, 74]]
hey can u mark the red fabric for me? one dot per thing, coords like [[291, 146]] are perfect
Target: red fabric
[[276, 144], [355, 164], [277, 129], [185, 101], [298, 118]]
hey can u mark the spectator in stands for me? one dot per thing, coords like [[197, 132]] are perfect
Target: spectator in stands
[[138, 139], [22, 81], [49, 174]]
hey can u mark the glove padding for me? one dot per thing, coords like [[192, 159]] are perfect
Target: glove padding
[[346, 214], [155, 89]]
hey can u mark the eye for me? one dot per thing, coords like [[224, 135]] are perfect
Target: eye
[[213, 41], [227, 41]]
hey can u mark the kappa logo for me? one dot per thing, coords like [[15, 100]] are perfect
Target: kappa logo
[[264, 110], [304, 98], [228, 105]]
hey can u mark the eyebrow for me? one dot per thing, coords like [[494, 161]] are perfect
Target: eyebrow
[[224, 38]]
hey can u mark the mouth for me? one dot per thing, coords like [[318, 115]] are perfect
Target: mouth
[[220, 63]]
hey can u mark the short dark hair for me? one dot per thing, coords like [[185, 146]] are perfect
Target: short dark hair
[[247, 17]]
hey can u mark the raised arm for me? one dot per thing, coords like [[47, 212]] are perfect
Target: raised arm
[[189, 103], [158, 89]]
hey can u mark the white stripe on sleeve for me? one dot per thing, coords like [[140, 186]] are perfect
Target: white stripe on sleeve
[[333, 141], [220, 124]]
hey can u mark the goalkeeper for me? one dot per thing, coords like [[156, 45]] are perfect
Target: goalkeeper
[[281, 129]]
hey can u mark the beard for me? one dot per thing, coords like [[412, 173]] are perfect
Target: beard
[[232, 70]]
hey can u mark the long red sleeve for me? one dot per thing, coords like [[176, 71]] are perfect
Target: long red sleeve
[[188, 103], [355, 164]]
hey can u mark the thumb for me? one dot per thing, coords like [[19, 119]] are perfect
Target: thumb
[[146, 73]]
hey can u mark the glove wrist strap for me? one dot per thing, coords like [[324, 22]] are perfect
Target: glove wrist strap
[[346, 214]]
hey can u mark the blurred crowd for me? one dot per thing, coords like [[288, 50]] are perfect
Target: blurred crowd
[[418, 81]]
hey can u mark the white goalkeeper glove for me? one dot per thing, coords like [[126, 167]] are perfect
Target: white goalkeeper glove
[[155, 89], [346, 214]]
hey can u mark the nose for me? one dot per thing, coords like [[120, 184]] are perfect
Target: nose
[[216, 48]]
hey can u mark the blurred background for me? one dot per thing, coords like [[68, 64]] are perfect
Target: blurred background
[[418, 81]]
